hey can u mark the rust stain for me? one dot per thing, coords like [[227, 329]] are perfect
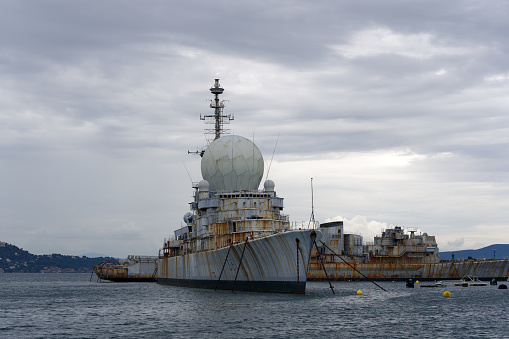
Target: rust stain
[[445, 270]]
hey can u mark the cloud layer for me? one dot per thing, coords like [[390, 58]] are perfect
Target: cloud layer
[[398, 110]]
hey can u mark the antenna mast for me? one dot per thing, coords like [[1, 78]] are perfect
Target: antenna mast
[[312, 218], [218, 119]]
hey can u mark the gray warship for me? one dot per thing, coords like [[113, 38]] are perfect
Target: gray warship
[[235, 235]]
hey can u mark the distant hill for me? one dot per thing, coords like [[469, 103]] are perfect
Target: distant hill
[[501, 252], [16, 260]]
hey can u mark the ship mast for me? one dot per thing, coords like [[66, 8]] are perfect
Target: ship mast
[[218, 119]]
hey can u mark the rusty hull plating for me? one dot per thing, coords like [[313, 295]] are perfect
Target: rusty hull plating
[[244, 243], [395, 255]]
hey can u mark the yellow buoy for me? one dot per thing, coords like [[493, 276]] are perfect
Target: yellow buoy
[[447, 294], [417, 281], [359, 292]]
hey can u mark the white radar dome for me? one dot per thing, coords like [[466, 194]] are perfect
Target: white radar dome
[[268, 186], [203, 186], [232, 163]]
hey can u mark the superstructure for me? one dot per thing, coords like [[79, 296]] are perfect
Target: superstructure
[[397, 254]]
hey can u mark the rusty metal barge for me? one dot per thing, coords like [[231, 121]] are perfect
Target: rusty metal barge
[[397, 254], [235, 236], [136, 268]]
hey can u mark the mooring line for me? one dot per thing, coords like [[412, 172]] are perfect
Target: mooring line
[[224, 264], [240, 263], [323, 266], [297, 241], [351, 266]]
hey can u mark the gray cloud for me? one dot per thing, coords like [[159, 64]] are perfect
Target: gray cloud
[[397, 109], [456, 243]]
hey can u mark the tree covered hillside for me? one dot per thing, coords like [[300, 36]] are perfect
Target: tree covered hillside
[[496, 251], [14, 259]]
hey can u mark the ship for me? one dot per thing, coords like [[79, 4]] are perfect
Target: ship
[[135, 268], [235, 236], [396, 254]]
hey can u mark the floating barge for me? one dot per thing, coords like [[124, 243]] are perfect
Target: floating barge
[[136, 268]]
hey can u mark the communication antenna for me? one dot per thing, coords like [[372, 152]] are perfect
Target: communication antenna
[[231, 177], [270, 164], [312, 218], [183, 163], [218, 119], [253, 160]]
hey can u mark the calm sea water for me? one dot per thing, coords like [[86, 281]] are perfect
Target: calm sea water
[[70, 306]]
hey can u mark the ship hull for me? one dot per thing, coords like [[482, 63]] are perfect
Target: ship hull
[[133, 269], [256, 286], [133, 279], [276, 263], [454, 270]]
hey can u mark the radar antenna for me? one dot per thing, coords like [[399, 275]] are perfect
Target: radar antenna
[[218, 119]]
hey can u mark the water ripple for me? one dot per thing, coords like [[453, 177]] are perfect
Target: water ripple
[[69, 305]]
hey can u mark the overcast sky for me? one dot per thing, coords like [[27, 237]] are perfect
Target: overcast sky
[[398, 110]]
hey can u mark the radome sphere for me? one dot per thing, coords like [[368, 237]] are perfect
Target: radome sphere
[[268, 186], [232, 163]]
